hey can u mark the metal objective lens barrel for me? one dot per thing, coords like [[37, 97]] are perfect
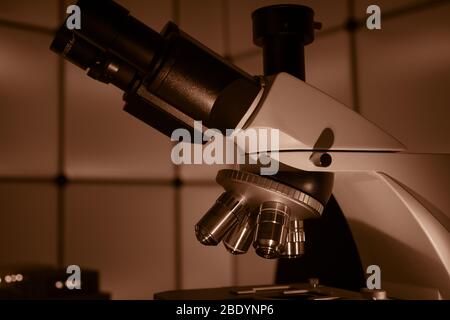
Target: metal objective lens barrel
[[75, 49], [229, 210], [295, 243], [240, 238], [271, 229]]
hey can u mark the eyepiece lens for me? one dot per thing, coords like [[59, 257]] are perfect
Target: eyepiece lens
[[228, 211]]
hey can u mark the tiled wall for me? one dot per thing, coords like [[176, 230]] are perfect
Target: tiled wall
[[125, 209]]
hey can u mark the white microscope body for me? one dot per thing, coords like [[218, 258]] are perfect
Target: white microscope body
[[396, 203]]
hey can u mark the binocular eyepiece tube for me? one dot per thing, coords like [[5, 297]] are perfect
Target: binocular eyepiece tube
[[271, 229], [170, 80]]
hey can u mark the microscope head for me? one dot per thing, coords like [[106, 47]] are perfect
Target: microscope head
[[169, 79]]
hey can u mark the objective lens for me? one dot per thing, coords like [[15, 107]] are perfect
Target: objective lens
[[115, 71], [240, 238], [295, 244], [270, 236], [228, 210]]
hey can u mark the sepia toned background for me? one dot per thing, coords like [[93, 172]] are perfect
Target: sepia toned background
[[82, 182]]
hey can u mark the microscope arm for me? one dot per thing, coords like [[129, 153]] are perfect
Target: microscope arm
[[381, 187], [309, 119]]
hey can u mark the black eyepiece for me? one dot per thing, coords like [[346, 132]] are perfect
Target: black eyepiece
[[75, 49], [167, 76]]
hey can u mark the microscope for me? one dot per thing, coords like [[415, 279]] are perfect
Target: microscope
[[326, 153]]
